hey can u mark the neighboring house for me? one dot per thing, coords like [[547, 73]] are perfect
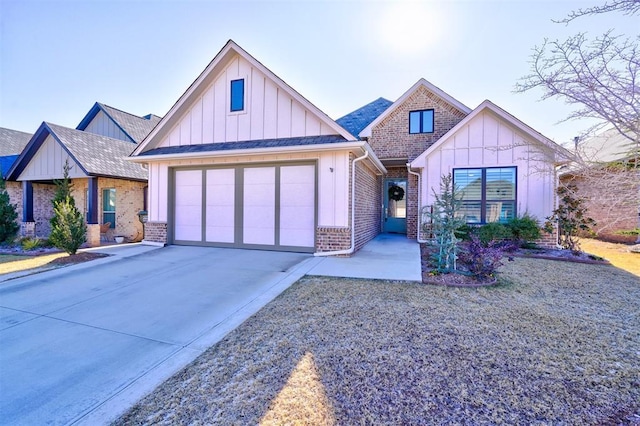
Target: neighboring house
[[107, 188], [609, 180], [12, 142], [243, 160]]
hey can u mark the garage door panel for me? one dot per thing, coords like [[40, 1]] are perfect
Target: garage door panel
[[297, 206], [259, 205], [297, 238], [188, 205], [220, 209]]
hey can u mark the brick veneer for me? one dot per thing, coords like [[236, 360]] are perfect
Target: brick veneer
[[391, 137], [612, 200], [156, 232], [333, 238], [14, 189], [368, 201]]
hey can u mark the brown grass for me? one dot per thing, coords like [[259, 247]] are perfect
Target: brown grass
[[22, 263], [616, 253], [555, 343]]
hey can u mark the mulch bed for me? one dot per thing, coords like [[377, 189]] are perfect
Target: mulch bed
[[77, 258]]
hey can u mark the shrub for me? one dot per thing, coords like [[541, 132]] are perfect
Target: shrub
[[493, 231], [482, 260], [629, 232], [68, 230], [29, 243], [8, 215], [524, 230], [571, 217]]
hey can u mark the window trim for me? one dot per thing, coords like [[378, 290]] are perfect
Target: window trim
[[115, 207], [421, 121], [483, 194]]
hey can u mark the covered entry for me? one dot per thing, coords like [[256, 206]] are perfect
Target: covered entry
[[270, 207]]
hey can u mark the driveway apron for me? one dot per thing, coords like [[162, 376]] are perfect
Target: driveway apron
[[72, 341]]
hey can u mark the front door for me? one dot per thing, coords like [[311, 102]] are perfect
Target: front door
[[395, 206]]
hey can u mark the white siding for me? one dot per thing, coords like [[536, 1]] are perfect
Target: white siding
[[48, 163], [333, 183], [487, 141], [103, 125], [270, 112]]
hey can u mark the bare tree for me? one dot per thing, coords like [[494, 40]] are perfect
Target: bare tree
[[600, 78]]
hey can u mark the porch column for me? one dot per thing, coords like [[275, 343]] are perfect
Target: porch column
[[93, 228], [28, 226]]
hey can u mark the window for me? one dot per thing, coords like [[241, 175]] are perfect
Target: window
[[237, 95], [488, 195], [421, 121], [109, 206]]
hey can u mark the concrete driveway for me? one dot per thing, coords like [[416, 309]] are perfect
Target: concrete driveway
[[79, 345]]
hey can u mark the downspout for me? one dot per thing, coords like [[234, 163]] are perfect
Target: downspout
[[420, 240], [351, 249]]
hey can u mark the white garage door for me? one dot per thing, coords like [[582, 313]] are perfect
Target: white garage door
[[269, 207]]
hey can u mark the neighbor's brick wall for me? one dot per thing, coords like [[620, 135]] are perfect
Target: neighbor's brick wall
[[156, 232], [391, 138], [612, 200], [368, 201], [14, 189], [43, 208]]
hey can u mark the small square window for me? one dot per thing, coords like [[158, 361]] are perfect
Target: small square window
[[421, 121], [237, 95]]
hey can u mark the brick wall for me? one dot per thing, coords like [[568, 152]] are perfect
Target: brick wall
[[612, 200], [156, 232], [332, 238], [14, 189], [368, 201], [391, 138], [43, 208]]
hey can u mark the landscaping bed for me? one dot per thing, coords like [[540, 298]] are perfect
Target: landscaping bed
[[551, 343]]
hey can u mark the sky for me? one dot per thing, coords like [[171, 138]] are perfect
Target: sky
[[58, 57]]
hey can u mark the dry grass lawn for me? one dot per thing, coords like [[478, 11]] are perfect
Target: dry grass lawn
[[11, 263], [618, 254], [554, 343]]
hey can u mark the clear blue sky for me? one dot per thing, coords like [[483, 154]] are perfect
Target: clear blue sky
[[59, 57]]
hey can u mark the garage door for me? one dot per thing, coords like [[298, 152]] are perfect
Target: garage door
[[265, 207]]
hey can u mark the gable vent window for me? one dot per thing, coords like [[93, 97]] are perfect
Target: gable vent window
[[421, 121], [237, 95]]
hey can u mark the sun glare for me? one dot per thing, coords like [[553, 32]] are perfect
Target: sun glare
[[409, 26]]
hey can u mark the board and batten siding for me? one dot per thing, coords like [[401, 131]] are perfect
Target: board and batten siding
[[333, 181], [105, 126], [48, 163], [269, 113], [487, 141]]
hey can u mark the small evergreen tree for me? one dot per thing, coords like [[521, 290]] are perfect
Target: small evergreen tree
[[571, 218], [8, 215], [68, 230], [446, 219]]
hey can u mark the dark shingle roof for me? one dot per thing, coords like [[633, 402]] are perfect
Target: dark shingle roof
[[357, 120], [12, 142], [99, 155], [136, 127], [226, 146]]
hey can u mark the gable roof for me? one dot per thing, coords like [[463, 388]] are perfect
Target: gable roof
[[95, 154], [12, 142], [135, 127], [203, 81], [357, 120], [607, 146], [487, 105], [366, 132]]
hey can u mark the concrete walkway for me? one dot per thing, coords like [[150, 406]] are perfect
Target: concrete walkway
[[386, 257]]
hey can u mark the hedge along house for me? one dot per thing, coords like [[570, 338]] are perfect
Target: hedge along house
[[107, 188], [503, 167], [243, 160]]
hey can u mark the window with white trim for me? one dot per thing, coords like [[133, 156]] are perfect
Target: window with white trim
[[488, 194], [237, 95]]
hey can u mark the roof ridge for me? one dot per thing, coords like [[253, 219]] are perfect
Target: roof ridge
[[141, 117]]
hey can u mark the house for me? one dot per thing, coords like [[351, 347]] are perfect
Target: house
[[12, 142], [608, 180], [243, 160], [107, 189]]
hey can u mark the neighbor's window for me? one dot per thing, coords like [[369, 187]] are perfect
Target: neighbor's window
[[237, 95], [488, 195], [109, 206], [421, 121]]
